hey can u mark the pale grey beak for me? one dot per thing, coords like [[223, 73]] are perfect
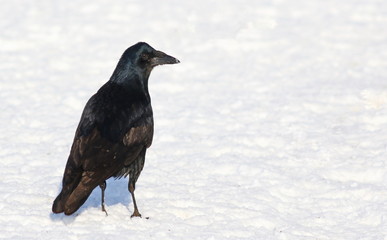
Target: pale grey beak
[[162, 58]]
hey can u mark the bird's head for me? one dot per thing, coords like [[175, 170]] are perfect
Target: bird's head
[[148, 57], [138, 61]]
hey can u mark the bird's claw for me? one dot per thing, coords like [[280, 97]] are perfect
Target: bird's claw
[[135, 214], [105, 212]]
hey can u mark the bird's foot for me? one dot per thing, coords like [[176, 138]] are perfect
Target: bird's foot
[[135, 214], [104, 210]]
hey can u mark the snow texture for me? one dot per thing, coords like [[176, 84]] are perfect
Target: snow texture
[[273, 126]]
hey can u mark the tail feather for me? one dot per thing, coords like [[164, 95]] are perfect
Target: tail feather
[[78, 185], [57, 206], [79, 195], [77, 198], [71, 178], [71, 201]]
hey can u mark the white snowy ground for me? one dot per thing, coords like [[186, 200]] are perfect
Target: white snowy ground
[[274, 125]]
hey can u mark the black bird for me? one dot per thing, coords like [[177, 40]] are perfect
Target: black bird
[[115, 129]]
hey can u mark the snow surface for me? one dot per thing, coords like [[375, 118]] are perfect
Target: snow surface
[[273, 126]]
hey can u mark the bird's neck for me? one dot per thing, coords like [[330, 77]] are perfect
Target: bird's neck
[[133, 81]]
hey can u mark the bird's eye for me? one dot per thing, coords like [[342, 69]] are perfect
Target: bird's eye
[[144, 57]]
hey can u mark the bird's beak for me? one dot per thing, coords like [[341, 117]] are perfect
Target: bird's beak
[[162, 58]]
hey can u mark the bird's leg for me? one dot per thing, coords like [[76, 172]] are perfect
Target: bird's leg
[[136, 213], [103, 187]]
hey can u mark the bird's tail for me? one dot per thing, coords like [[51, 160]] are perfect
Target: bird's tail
[[77, 198], [71, 179], [70, 201], [57, 206]]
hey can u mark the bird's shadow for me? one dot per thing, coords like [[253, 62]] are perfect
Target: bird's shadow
[[116, 193]]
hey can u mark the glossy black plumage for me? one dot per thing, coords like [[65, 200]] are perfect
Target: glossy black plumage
[[115, 129]]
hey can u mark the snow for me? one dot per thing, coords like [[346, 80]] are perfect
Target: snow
[[273, 126]]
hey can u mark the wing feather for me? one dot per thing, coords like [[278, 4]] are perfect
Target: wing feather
[[111, 134]]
